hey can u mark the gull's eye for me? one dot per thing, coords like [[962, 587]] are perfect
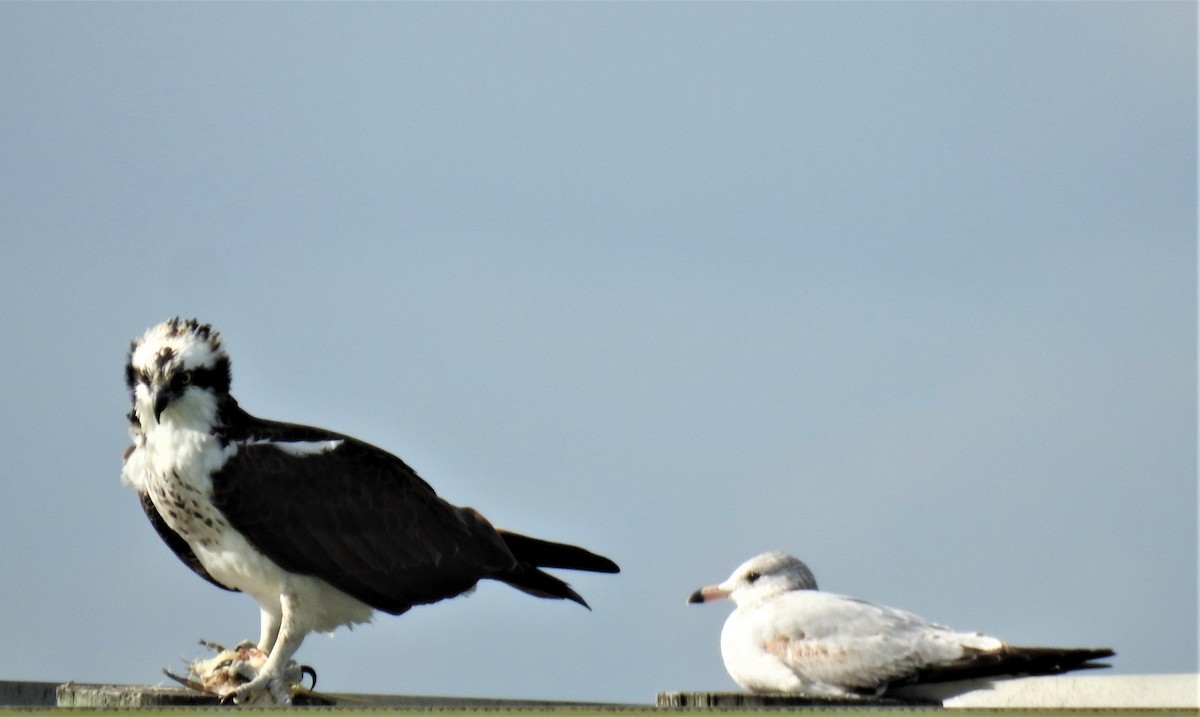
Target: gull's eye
[[752, 576]]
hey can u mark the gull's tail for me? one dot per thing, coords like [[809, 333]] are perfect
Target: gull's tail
[[1009, 661]]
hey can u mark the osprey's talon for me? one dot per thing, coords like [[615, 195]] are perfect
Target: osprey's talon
[[306, 670], [273, 687], [241, 676]]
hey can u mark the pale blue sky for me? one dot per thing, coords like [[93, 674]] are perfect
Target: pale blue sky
[[907, 290]]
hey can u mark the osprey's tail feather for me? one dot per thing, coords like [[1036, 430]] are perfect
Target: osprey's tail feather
[[534, 553], [546, 554]]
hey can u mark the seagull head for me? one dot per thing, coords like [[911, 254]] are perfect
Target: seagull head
[[177, 371], [760, 578]]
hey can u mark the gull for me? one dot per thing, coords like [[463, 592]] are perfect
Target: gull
[[787, 637]]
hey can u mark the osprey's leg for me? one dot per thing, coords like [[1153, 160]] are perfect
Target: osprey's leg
[[270, 630], [273, 675]]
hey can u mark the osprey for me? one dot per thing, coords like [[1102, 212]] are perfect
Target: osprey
[[321, 529], [786, 636]]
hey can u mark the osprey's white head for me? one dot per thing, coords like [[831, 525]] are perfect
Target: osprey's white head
[[177, 371], [760, 578]]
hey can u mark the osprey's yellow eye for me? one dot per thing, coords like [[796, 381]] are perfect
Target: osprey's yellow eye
[[185, 378]]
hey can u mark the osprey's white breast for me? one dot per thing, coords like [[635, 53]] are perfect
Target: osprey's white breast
[[179, 463]]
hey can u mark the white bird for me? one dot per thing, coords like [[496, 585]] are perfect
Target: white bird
[[321, 529], [786, 636]]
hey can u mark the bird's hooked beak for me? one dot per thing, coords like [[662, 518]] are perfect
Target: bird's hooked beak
[[708, 594], [162, 397]]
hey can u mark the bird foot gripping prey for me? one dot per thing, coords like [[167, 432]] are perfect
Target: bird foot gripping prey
[[236, 677]]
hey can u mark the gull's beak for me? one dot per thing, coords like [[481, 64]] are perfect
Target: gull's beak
[[708, 594]]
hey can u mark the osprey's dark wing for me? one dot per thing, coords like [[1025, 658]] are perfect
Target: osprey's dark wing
[[177, 544], [362, 520]]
